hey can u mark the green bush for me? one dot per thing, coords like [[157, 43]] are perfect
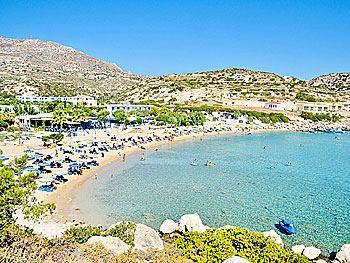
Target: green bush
[[219, 245], [82, 234], [125, 231]]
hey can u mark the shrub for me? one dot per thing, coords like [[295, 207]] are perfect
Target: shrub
[[124, 230], [219, 245], [82, 234]]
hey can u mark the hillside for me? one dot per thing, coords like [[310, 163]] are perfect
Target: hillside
[[46, 68], [36, 67], [336, 81], [223, 86]]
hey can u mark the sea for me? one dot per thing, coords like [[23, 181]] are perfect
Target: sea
[[242, 190]]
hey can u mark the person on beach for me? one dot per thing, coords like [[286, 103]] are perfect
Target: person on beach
[[96, 176], [56, 155], [156, 149], [124, 158], [112, 175]]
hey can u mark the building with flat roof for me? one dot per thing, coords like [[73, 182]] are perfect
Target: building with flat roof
[[127, 107], [273, 105], [77, 100], [322, 107]]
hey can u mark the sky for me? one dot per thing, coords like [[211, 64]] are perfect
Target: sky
[[297, 38]]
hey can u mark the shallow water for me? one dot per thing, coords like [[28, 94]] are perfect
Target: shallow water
[[241, 190]]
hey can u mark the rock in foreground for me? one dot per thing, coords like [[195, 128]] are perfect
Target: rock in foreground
[[274, 235], [311, 252], [168, 227], [112, 244], [147, 239], [343, 256], [191, 222]]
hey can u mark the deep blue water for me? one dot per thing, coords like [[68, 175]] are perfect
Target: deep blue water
[[241, 190]]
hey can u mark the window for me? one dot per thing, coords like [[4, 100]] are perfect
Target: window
[[319, 108]]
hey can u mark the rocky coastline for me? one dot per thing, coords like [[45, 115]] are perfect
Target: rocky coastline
[[146, 239]]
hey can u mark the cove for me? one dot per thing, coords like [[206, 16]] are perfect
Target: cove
[[242, 190]]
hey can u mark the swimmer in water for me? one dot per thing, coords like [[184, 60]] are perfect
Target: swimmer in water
[[264, 147], [112, 175]]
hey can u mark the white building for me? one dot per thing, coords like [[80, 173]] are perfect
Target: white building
[[127, 107], [273, 105], [322, 107], [78, 100]]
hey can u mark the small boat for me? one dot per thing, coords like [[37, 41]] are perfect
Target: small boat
[[194, 164], [288, 226], [210, 164]]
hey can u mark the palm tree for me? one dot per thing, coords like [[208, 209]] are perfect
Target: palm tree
[[79, 115], [59, 115]]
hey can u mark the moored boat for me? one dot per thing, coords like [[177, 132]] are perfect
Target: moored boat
[[287, 226]]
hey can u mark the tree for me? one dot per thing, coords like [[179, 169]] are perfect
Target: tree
[[198, 118], [139, 121], [102, 114], [155, 111], [17, 194], [119, 116], [79, 115], [59, 115]]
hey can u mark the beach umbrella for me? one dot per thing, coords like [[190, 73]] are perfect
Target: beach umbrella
[[61, 173], [3, 158], [78, 151], [56, 159], [74, 165], [93, 156], [36, 156], [45, 180], [28, 151], [46, 153], [31, 169], [43, 164], [16, 155], [38, 148], [67, 154]]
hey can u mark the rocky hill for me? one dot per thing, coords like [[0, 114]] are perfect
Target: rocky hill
[[36, 67], [223, 86], [40, 67], [336, 81]]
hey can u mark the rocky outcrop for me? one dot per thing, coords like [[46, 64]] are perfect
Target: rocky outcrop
[[168, 227], [334, 80], [236, 259], [343, 256], [147, 239], [311, 252], [298, 249], [191, 222], [274, 235], [113, 244]]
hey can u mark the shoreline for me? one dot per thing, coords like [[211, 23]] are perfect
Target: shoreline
[[64, 195]]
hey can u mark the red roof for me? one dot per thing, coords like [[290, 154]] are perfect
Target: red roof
[[272, 102]]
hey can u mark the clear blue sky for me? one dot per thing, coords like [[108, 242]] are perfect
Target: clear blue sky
[[289, 37]]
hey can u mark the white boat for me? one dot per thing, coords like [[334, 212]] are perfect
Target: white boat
[[194, 164]]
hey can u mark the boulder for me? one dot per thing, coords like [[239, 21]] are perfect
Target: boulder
[[311, 252], [113, 244], [168, 227], [236, 259], [343, 256], [147, 239], [298, 249], [191, 222], [274, 235]]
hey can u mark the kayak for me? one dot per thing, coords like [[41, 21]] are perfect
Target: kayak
[[210, 164], [288, 226], [194, 164]]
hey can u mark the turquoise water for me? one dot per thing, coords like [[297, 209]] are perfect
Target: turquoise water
[[241, 190]]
